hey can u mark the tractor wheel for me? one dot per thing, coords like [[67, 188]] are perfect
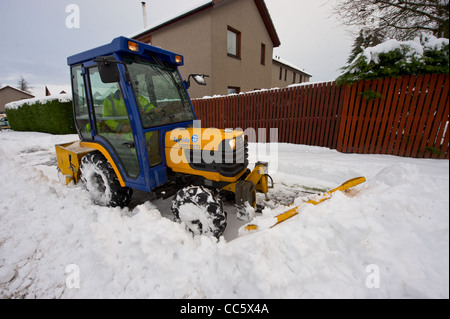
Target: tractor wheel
[[200, 211], [101, 181]]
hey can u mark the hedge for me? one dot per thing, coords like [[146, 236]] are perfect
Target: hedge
[[54, 116]]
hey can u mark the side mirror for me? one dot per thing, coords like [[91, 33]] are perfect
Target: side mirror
[[198, 78], [107, 67]]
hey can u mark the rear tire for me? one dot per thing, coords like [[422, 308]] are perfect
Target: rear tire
[[102, 183], [200, 211]]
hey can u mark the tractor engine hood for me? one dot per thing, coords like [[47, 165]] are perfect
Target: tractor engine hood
[[218, 155]]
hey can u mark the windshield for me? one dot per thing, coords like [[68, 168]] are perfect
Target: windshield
[[159, 93]]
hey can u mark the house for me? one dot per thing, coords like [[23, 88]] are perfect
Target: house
[[232, 41], [10, 94], [285, 73]]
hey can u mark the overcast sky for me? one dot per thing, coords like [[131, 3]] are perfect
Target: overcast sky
[[35, 40]]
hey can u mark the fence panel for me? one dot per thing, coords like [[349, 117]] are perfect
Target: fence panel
[[405, 116]]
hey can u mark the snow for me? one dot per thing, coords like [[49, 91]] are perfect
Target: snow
[[61, 97], [431, 42], [372, 53], [395, 226], [216, 96], [415, 48]]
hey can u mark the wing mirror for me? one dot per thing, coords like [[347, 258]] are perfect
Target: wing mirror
[[198, 78]]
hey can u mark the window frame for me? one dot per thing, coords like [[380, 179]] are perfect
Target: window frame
[[184, 97], [263, 54], [75, 105], [236, 88], [238, 43]]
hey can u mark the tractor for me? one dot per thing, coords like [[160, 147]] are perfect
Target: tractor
[[138, 131]]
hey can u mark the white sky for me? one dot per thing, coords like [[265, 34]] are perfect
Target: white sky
[[35, 41]]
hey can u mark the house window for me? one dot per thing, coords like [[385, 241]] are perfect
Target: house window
[[293, 77], [285, 75], [233, 90], [281, 73], [263, 54], [233, 43]]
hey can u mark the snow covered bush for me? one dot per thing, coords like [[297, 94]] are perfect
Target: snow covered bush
[[52, 115], [423, 55]]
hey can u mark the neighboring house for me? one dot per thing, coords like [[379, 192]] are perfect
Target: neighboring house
[[232, 41], [284, 73], [10, 94]]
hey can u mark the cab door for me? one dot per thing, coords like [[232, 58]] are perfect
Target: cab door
[[112, 122]]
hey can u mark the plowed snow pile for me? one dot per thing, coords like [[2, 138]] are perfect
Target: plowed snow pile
[[386, 238]]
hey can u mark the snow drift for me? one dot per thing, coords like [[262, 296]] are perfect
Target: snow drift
[[396, 223]]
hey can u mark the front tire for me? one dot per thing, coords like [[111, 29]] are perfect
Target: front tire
[[200, 211], [102, 183]]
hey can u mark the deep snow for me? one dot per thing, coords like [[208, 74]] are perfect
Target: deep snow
[[391, 232]]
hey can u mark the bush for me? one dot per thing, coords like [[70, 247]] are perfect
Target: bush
[[425, 55], [52, 116]]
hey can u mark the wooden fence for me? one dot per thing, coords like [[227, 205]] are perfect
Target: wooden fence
[[399, 116]]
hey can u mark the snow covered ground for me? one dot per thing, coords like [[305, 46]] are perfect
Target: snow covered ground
[[386, 238]]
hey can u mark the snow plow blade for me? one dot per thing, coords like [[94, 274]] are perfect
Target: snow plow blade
[[69, 160], [271, 222]]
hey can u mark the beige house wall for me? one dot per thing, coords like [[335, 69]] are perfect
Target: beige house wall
[[202, 40], [246, 73], [190, 38], [8, 94]]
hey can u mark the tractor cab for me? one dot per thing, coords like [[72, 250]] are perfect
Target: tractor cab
[[127, 95]]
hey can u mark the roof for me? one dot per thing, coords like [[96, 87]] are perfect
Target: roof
[[8, 86], [120, 45], [203, 5], [290, 65]]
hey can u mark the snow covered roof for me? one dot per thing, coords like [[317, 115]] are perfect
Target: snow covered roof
[[288, 64], [201, 5]]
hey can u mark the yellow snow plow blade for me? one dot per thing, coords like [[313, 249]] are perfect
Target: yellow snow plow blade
[[318, 199]]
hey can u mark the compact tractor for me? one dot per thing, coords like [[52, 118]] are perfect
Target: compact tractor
[[138, 130]]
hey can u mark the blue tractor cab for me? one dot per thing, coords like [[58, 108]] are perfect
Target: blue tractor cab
[[127, 95]]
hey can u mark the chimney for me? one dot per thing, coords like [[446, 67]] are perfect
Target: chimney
[[144, 13]]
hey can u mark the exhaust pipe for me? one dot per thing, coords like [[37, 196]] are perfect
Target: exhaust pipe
[[144, 14]]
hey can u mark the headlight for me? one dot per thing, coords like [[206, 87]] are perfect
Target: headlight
[[232, 143]]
